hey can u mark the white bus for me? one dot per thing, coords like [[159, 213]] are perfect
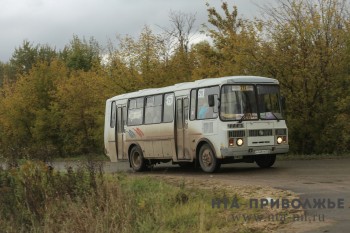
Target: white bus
[[207, 123]]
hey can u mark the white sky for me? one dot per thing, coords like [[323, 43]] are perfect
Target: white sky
[[54, 22]]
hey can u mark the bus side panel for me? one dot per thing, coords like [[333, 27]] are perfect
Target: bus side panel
[[205, 130], [168, 148], [155, 140], [194, 135]]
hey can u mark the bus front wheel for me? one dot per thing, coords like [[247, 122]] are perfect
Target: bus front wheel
[[207, 160], [137, 161], [265, 161]]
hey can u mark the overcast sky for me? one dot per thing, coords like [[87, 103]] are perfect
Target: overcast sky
[[54, 22]]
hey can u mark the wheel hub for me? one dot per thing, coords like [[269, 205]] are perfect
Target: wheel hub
[[207, 158], [136, 160]]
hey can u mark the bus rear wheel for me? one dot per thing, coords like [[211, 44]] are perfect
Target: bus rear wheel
[[265, 161], [207, 160], [137, 161]]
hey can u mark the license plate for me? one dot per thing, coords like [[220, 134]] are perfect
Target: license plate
[[238, 156], [260, 152]]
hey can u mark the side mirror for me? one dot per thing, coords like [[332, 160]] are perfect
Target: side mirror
[[211, 100]]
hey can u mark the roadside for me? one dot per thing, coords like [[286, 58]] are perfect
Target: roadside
[[131, 202], [278, 220], [313, 156], [308, 179]]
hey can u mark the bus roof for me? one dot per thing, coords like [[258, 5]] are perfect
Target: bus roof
[[197, 84]]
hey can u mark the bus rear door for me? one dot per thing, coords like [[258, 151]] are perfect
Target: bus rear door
[[111, 132], [121, 120], [182, 139]]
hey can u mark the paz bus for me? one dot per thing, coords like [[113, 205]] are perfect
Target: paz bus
[[204, 123]]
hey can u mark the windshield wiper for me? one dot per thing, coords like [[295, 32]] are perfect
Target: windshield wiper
[[275, 116], [243, 117]]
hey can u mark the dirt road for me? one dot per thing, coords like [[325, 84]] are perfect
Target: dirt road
[[311, 179]]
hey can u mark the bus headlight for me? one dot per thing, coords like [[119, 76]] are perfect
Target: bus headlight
[[239, 142], [231, 142], [279, 140]]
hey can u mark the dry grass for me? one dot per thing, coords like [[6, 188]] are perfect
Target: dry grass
[[37, 199]]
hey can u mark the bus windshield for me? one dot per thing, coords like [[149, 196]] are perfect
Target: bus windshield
[[269, 104], [238, 102]]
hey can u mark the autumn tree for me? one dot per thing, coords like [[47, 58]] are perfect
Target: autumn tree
[[27, 55], [207, 61], [234, 41], [305, 49], [28, 128], [7, 73], [137, 63], [80, 105], [177, 38], [81, 54]]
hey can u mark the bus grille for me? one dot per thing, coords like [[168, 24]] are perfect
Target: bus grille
[[281, 131], [260, 132], [234, 126], [236, 134]]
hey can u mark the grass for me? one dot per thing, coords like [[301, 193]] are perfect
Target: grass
[[313, 156], [84, 157], [75, 158], [37, 199]]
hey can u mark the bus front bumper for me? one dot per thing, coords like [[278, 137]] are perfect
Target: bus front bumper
[[237, 152]]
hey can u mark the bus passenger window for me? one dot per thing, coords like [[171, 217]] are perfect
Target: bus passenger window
[[135, 111], [119, 120], [193, 105], [113, 115], [153, 109], [168, 110], [203, 109]]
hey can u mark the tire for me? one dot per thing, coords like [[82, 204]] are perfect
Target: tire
[[137, 161], [265, 161], [207, 160]]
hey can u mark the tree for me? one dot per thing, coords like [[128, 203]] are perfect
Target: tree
[[27, 55], [305, 51], [28, 127], [177, 39], [80, 105], [81, 54], [235, 40], [138, 63], [207, 61]]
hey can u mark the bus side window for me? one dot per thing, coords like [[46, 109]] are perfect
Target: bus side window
[[193, 105], [124, 118], [119, 120], [153, 109], [168, 110], [204, 111], [135, 111], [113, 115]]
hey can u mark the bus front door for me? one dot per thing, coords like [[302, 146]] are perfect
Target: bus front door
[[121, 120], [182, 142]]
